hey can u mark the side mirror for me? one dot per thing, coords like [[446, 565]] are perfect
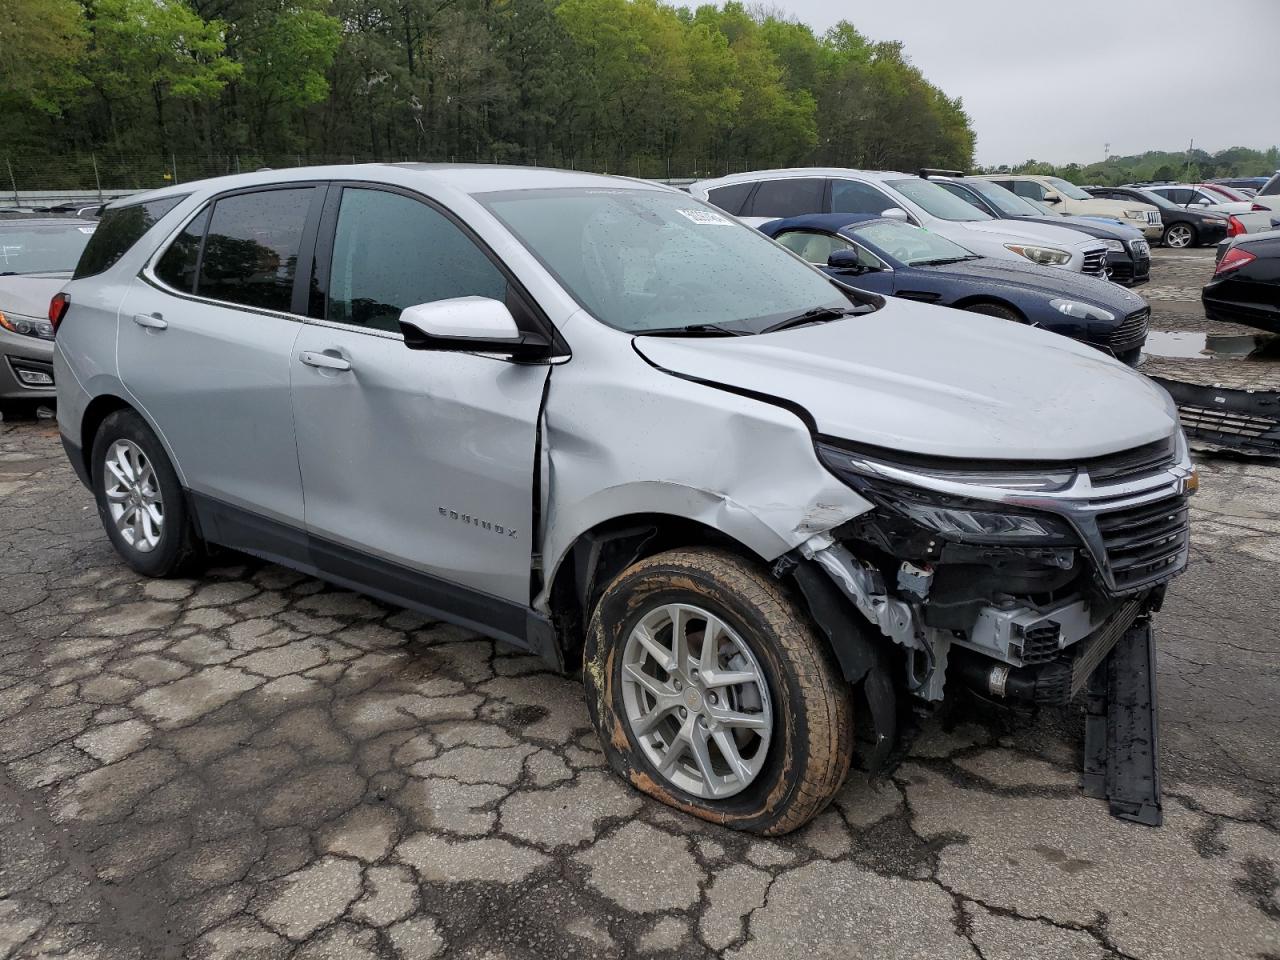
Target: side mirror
[[469, 325], [1202, 202], [1049, 198], [846, 260], [896, 213]]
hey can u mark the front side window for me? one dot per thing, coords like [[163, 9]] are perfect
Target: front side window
[[813, 247], [1029, 189], [789, 197], [41, 246], [852, 196], [118, 230], [1271, 187], [936, 201], [647, 260], [392, 252], [251, 250]]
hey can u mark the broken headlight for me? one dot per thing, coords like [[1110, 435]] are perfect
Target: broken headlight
[[958, 518]]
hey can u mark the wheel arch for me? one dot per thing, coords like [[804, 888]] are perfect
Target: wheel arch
[[986, 297], [97, 410]]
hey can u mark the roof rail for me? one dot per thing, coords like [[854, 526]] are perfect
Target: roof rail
[[927, 172]]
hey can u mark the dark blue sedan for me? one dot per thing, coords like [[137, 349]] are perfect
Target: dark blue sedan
[[896, 259]]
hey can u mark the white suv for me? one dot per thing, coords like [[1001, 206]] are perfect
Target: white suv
[[771, 194]]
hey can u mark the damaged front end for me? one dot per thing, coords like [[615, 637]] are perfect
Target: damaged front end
[[1015, 580]]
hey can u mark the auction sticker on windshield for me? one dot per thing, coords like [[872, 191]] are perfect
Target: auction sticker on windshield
[[705, 217]]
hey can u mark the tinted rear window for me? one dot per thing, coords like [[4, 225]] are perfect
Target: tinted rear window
[[788, 198], [731, 198], [118, 230], [251, 251]]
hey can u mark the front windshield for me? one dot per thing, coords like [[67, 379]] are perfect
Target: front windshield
[[647, 260], [1068, 189], [1006, 201], [909, 245], [41, 247], [936, 201]]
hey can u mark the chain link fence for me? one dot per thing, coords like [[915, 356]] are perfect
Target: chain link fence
[[96, 172]]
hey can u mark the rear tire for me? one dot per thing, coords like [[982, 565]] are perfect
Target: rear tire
[[997, 310], [773, 750], [1179, 236], [141, 504]]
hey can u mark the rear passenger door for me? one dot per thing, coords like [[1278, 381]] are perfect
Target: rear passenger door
[[418, 466], [205, 340]]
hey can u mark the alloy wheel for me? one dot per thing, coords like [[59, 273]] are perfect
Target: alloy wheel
[[1179, 236], [697, 700], [133, 497]]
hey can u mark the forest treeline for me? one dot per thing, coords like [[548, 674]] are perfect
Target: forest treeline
[[626, 85], [1191, 165]]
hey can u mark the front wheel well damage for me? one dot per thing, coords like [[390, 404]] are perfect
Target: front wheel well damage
[[601, 553]]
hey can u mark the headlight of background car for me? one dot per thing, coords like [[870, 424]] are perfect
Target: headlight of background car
[[1081, 311], [1136, 214], [1045, 256], [27, 326], [957, 518], [1114, 245]]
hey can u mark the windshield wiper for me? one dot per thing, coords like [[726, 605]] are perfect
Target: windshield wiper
[[811, 316], [942, 260], [692, 330]]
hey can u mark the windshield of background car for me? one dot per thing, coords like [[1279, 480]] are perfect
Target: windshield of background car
[[936, 201], [41, 248], [1067, 189], [1006, 201], [1156, 200], [643, 260], [907, 244]]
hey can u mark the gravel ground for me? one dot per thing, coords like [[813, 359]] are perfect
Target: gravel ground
[[253, 764]]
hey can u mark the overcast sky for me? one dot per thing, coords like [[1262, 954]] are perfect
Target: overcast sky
[[1056, 81]]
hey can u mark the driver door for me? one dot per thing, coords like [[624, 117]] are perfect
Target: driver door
[[417, 466]]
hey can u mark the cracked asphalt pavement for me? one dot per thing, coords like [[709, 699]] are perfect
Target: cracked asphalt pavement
[[255, 764]]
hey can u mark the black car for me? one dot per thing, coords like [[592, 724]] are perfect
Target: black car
[[1246, 283], [889, 257], [1182, 227], [1128, 253]]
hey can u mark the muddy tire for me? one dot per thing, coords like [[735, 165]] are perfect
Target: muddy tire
[[764, 754]]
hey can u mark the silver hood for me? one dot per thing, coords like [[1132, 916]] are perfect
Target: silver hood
[[29, 294], [935, 381]]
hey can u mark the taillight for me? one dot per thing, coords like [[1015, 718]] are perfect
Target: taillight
[[1233, 259], [58, 309], [1234, 226], [1258, 208]]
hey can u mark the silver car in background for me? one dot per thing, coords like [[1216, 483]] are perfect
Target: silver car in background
[[602, 421], [37, 255]]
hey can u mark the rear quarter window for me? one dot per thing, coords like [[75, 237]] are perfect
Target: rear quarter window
[[118, 230], [730, 199]]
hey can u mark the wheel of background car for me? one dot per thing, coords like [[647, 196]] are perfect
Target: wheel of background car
[[997, 310], [139, 498], [1179, 235], [711, 692]]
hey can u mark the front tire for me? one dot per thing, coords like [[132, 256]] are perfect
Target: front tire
[[140, 501], [996, 310], [1179, 236], [711, 691]]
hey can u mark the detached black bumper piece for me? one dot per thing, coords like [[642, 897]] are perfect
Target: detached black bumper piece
[[1121, 743], [1243, 420]]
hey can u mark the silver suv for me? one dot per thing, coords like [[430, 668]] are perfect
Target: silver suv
[[602, 421]]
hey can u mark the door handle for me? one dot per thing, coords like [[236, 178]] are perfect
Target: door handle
[[152, 321], [325, 361]]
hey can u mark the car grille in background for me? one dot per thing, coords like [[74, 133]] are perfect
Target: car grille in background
[[1146, 543], [1143, 461], [1095, 262], [1205, 422], [1153, 217], [1131, 333]]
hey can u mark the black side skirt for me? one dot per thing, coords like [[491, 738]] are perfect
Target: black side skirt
[[1121, 745], [391, 582]]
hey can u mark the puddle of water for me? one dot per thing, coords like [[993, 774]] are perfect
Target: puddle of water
[[1184, 344]]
